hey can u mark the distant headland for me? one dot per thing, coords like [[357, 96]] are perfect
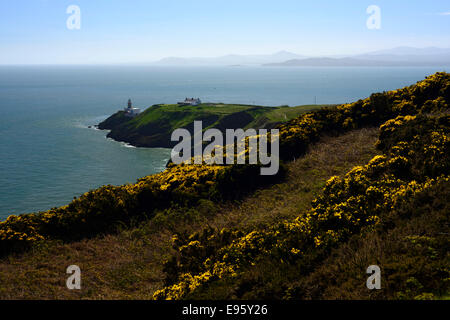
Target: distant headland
[[153, 127]]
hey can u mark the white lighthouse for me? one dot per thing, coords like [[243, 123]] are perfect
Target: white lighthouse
[[130, 111]]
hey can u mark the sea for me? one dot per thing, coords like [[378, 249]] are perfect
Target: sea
[[50, 153]]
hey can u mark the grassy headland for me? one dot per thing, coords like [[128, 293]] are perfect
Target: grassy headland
[[154, 126]]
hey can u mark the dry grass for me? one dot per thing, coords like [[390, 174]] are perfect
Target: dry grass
[[128, 265], [306, 177]]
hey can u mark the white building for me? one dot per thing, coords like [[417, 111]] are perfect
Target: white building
[[191, 101], [130, 111]]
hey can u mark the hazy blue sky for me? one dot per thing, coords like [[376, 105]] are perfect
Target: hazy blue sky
[[34, 31]]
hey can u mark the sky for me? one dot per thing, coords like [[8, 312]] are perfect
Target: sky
[[142, 31]]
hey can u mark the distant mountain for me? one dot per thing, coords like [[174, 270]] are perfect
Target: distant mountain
[[400, 56], [410, 56], [231, 59], [410, 51], [368, 60], [330, 62]]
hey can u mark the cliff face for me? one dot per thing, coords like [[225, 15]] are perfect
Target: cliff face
[[123, 128], [114, 121], [152, 135], [153, 128]]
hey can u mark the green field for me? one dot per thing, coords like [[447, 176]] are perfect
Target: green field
[[154, 126], [172, 112]]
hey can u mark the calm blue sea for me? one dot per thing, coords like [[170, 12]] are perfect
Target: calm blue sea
[[48, 155]]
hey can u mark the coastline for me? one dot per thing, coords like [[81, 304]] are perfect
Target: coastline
[[153, 127]]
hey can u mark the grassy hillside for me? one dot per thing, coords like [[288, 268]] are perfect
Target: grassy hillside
[[154, 126], [129, 264], [392, 212], [361, 183]]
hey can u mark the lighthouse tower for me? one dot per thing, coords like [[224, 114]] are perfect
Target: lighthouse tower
[[130, 111]]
